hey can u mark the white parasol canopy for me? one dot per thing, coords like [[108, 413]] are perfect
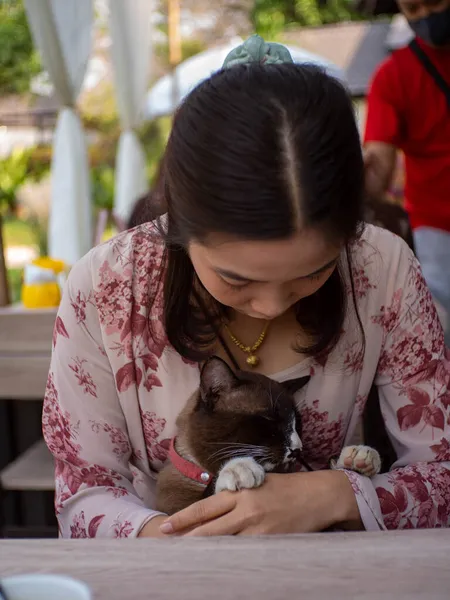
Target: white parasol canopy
[[130, 26], [170, 90], [62, 31]]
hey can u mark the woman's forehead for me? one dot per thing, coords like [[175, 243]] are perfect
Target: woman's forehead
[[274, 260]]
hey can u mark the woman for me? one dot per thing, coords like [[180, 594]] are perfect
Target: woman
[[263, 241]]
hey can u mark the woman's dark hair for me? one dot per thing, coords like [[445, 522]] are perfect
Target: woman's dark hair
[[258, 151]]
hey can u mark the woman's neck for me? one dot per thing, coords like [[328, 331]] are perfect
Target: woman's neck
[[276, 353]]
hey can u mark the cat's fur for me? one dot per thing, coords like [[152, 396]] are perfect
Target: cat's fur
[[239, 427]]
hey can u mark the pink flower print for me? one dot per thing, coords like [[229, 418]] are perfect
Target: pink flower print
[[59, 329], [389, 315], [361, 282], [122, 529], [118, 492], [412, 331], [98, 476], [420, 409], [78, 528], [392, 505], [360, 403], [79, 306], [426, 487], [151, 381], [84, 378], [353, 358], [153, 427], [322, 439], [59, 433], [113, 299], [118, 437], [127, 376], [442, 450]]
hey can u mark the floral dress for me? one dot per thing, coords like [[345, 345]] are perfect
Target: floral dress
[[116, 386]]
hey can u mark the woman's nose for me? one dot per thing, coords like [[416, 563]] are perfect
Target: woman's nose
[[271, 306]]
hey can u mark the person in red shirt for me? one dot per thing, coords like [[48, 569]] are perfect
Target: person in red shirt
[[409, 109]]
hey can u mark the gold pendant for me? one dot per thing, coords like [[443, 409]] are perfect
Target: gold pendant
[[252, 360]]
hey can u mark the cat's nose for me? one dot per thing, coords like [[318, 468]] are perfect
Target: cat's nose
[[294, 453]]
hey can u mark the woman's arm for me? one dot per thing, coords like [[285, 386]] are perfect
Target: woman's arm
[[84, 426], [285, 503], [414, 387]]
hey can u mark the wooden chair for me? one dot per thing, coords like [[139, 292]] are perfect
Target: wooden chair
[[27, 466]]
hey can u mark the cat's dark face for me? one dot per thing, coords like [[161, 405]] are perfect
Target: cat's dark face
[[244, 414]]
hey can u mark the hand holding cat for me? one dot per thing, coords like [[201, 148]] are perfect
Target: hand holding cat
[[284, 504]]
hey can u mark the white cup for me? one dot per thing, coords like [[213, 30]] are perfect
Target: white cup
[[44, 587]]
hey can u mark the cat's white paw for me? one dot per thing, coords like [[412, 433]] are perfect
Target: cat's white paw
[[239, 474], [362, 459]]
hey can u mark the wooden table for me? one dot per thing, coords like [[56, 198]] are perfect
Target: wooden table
[[402, 566]]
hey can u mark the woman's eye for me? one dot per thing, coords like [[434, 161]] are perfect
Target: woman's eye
[[235, 286], [319, 275]]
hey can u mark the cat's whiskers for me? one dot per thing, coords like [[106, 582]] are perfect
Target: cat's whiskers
[[278, 397], [273, 403], [270, 396], [228, 444], [256, 452], [236, 452], [235, 446], [260, 455]]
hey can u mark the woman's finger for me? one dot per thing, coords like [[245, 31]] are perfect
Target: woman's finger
[[199, 513], [228, 524]]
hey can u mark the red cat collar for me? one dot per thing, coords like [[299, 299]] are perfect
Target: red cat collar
[[187, 468]]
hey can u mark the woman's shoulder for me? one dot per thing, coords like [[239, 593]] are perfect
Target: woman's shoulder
[[126, 268], [381, 262], [378, 245], [142, 246]]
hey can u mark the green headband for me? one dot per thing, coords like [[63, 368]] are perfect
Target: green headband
[[256, 50]]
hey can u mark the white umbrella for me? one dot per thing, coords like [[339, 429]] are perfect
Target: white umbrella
[[62, 33], [170, 90], [130, 26]]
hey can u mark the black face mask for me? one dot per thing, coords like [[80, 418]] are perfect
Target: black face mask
[[434, 29]]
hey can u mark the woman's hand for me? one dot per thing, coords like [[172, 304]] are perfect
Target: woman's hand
[[288, 503], [153, 528]]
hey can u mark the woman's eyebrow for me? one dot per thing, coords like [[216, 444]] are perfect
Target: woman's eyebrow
[[236, 277]]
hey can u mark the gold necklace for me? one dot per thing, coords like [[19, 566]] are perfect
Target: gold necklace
[[252, 360]]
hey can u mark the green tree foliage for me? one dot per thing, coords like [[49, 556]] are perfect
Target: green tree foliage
[[19, 61], [15, 172], [271, 17]]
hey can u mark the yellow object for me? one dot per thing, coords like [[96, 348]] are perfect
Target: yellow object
[[41, 295], [45, 262], [41, 287]]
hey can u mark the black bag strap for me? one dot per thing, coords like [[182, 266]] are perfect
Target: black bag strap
[[431, 69]]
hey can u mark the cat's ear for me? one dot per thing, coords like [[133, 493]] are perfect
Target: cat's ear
[[216, 378], [294, 385]]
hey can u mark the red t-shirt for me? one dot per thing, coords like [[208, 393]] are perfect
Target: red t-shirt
[[408, 110]]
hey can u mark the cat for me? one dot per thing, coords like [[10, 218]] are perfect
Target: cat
[[233, 430]]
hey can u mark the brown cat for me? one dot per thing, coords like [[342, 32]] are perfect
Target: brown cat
[[233, 430]]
